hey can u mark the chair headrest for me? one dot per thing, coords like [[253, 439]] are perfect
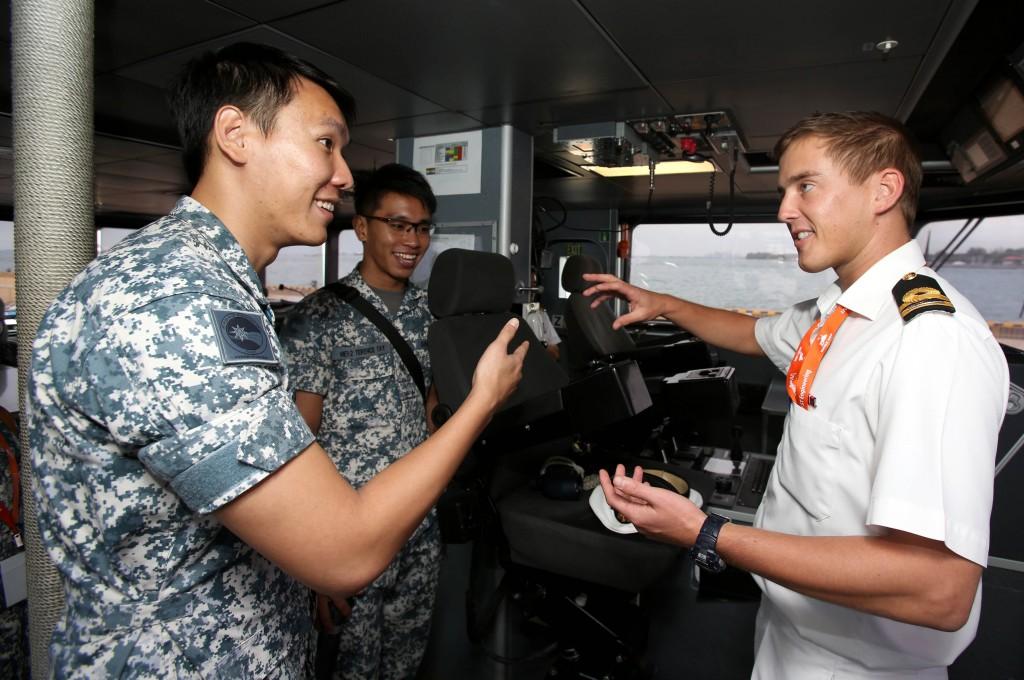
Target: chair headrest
[[575, 267], [470, 282]]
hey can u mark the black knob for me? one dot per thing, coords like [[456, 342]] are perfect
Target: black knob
[[441, 414]]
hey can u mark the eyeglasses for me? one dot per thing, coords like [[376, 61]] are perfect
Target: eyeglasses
[[400, 226]]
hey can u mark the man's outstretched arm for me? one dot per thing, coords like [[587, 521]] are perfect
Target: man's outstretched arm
[[308, 520], [719, 327]]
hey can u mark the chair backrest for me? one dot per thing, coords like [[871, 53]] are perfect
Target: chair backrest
[[471, 293], [589, 332]]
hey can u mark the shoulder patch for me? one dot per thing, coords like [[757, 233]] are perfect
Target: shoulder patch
[[242, 337], [916, 294]]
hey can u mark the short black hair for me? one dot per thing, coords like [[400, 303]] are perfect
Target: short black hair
[[392, 178], [258, 79]]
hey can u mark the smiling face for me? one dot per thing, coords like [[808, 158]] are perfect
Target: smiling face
[[299, 169], [831, 219], [390, 255]]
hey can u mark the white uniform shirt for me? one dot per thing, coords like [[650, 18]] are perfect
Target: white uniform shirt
[[903, 435]]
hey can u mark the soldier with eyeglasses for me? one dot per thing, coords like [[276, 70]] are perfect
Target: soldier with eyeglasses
[[357, 395]]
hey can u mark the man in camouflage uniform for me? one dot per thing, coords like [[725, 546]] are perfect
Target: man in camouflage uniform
[[367, 411], [179, 490], [167, 420]]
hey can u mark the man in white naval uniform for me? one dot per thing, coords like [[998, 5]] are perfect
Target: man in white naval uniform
[[873, 532]]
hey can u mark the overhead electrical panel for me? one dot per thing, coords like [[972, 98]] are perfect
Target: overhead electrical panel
[[695, 137]]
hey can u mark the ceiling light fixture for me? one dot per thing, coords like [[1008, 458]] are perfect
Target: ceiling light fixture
[[663, 168], [886, 46]]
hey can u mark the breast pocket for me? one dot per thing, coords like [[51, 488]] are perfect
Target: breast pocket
[[810, 461], [368, 368], [368, 383]]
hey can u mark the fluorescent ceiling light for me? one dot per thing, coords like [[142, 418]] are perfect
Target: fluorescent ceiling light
[[663, 168]]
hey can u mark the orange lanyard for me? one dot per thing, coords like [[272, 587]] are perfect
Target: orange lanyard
[[804, 366], [10, 515]]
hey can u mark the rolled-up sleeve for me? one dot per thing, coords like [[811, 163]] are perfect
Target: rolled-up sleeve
[[780, 335], [206, 428], [210, 465]]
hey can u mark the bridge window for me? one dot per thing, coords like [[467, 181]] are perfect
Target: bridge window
[[297, 272], [985, 261], [350, 252], [108, 237], [752, 269]]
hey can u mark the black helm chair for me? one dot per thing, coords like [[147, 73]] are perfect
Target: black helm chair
[[471, 294], [567, 567], [590, 338], [589, 331]]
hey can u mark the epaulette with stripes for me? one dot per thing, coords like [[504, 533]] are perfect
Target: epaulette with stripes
[[916, 294]]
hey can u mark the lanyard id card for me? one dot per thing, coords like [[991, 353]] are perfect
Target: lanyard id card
[[809, 354]]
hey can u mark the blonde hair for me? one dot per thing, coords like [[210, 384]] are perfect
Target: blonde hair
[[862, 142]]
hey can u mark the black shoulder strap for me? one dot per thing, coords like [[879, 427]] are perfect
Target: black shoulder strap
[[916, 294], [412, 364]]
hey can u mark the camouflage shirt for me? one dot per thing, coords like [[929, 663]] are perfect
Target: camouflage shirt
[[372, 412], [157, 396]]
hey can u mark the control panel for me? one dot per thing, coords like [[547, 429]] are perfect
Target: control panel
[[740, 478]]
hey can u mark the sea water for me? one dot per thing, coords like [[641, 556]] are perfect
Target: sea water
[[730, 282]]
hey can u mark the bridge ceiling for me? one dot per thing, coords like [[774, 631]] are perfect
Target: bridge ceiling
[[420, 68]]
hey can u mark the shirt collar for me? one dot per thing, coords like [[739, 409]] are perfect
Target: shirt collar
[[412, 292], [221, 240], [356, 280], [870, 293]]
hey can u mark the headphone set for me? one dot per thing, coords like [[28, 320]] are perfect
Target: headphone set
[[561, 479]]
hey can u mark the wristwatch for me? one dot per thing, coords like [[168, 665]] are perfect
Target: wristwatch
[[703, 550]]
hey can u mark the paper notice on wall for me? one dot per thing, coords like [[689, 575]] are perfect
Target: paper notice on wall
[[451, 163], [438, 244]]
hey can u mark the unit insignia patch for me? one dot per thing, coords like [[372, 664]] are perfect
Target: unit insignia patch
[[242, 337]]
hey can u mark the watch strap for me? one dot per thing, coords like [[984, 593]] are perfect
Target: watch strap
[[704, 551]]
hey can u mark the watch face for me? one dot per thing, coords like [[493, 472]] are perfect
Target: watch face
[[709, 560]]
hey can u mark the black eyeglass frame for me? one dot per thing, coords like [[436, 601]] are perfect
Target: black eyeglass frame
[[404, 226]]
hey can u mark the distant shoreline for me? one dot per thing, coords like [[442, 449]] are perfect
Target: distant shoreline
[[761, 257]]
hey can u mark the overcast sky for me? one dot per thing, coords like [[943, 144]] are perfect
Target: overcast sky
[[697, 240]]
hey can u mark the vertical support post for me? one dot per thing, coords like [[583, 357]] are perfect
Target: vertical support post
[[54, 230]]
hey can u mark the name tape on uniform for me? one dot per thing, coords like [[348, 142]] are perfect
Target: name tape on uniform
[[342, 353]]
